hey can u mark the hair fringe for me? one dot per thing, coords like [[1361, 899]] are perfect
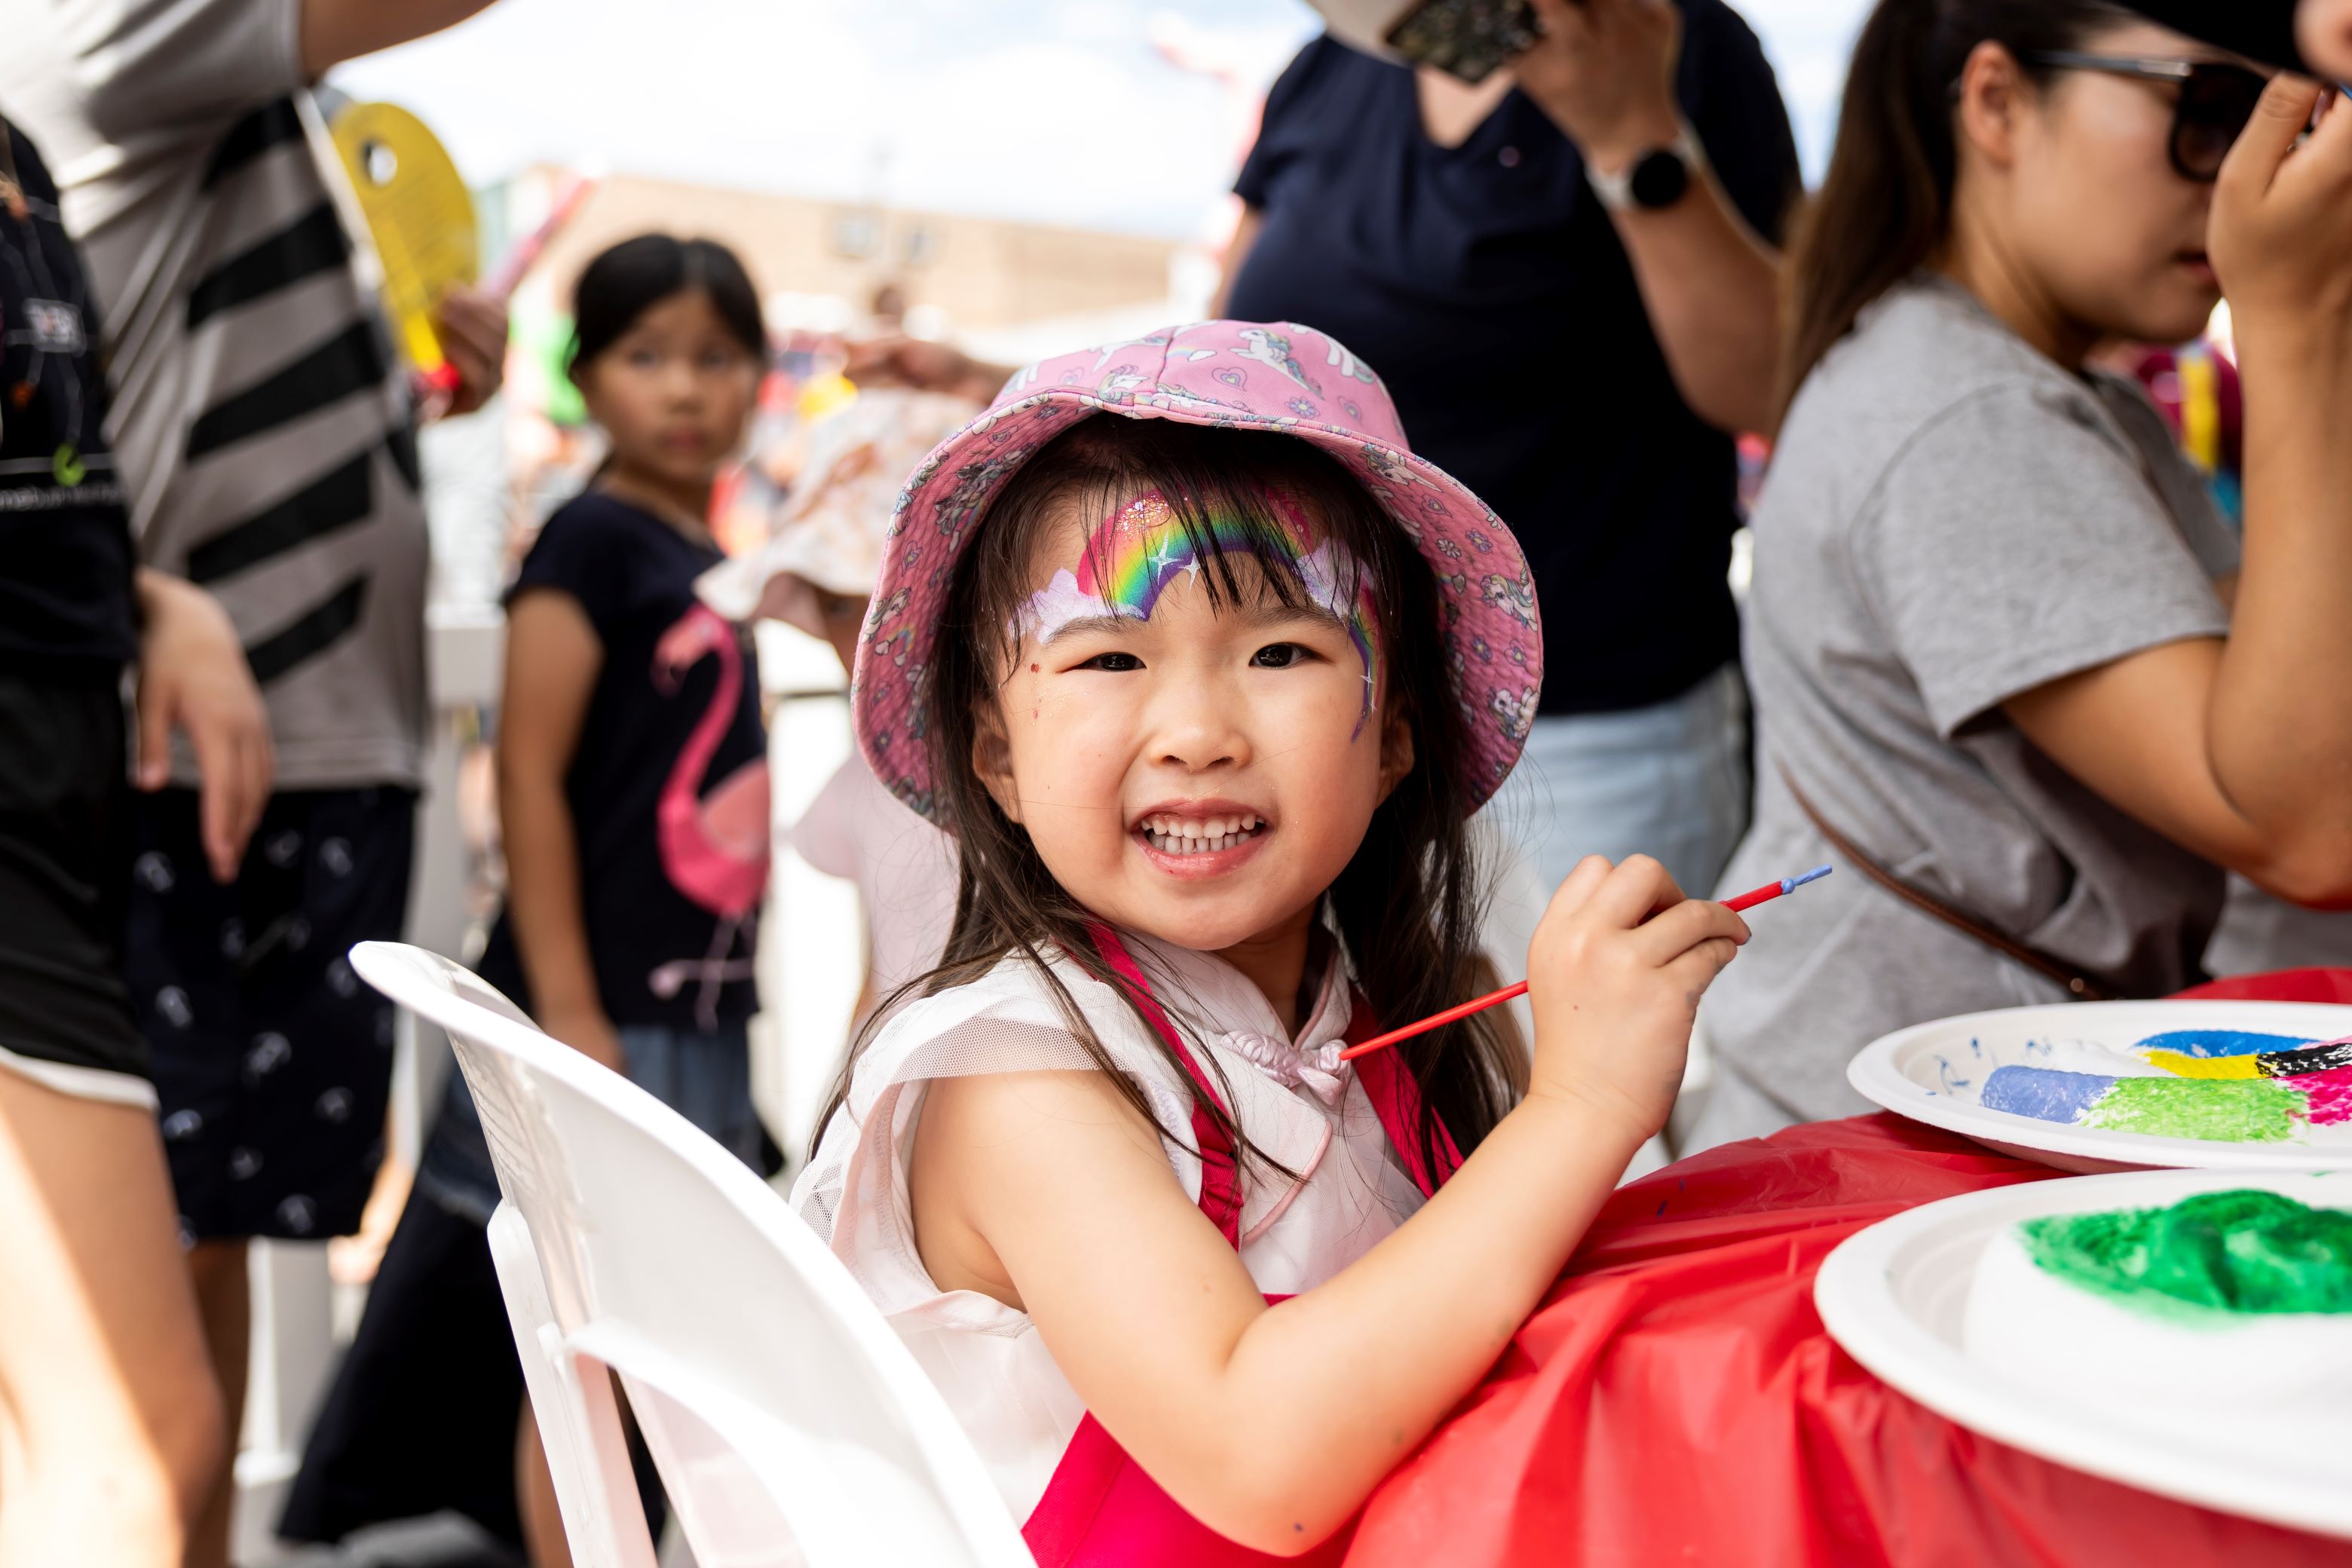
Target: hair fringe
[[628, 278]]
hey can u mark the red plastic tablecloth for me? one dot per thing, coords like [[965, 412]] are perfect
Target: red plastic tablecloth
[[1675, 1399]]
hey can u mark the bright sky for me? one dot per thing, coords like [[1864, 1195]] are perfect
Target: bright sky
[[1053, 110]]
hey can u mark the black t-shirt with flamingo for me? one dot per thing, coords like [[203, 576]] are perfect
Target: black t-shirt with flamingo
[[668, 787]]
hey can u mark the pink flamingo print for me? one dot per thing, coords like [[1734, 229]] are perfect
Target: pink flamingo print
[[714, 847]]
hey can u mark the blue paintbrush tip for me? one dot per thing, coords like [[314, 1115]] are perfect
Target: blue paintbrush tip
[[1798, 880]]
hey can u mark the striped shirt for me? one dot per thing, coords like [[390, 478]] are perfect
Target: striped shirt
[[264, 426]]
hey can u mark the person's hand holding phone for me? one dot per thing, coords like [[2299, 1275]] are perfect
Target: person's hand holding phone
[[1604, 73]]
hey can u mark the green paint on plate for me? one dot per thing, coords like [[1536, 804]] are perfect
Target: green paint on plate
[[2233, 1110], [2209, 1259]]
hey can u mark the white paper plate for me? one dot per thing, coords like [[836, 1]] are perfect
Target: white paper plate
[[1893, 1296], [1933, 1073]]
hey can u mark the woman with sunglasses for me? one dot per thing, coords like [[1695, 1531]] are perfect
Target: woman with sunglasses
[[1997, 670]]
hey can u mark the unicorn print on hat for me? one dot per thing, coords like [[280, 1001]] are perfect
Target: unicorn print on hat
[[1273, 349]]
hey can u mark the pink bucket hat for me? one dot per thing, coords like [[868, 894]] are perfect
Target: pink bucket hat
[[1244, 375]]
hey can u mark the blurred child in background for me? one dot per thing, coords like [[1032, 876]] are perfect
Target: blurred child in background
[[633, 794]]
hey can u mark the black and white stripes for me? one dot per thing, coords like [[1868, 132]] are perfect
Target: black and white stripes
[[297, 484]]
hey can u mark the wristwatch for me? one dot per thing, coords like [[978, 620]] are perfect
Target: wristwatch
[[1657, 179]]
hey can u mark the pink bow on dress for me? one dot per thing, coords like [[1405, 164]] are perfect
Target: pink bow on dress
[[1319, 1069]]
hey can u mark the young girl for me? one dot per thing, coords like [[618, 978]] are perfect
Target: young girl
[[1207, 673], [633, 797], [631, 781]]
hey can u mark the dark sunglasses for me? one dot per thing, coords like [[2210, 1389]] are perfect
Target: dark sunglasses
[[2214, 104]]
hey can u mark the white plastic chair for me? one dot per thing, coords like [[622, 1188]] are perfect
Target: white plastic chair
[[787, 1422]]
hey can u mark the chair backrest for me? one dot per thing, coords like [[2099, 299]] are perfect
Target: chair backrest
[[787, 1422]]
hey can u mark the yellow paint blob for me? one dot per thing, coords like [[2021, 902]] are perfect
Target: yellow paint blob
[[2181, 1064]]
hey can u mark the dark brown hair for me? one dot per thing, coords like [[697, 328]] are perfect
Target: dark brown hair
[[1409, 903], [1885, 207], [628, 279]]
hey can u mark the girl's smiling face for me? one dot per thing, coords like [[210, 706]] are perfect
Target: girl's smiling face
[[1192, 757]]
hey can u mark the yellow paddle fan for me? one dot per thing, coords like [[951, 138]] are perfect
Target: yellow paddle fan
[[420, 219]]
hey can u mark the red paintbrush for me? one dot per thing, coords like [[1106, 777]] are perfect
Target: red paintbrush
[[1763, 895]]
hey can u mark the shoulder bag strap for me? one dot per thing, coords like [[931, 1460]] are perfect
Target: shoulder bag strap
[[2083, 986]]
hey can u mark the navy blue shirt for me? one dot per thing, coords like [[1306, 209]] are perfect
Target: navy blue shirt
[[663, 735], [1486, 286]]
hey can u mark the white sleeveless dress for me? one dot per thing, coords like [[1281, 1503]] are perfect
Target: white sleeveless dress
[[987, 1359]]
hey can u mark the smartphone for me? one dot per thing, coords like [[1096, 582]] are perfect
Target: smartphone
[[1464, 38]]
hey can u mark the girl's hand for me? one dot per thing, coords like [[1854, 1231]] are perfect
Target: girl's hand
[[193, 678], [2281, 234], [1615, 973], [588, 1031]]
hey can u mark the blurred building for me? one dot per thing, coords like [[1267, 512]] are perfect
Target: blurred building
[[819, 264]]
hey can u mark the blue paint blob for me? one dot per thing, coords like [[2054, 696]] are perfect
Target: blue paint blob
[[2044, 1093], [2222, 1043]]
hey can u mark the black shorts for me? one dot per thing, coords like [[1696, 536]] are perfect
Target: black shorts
[[66, 1016], [272, 1058]]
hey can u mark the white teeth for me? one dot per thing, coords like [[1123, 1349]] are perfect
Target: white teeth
[[1198, 836]]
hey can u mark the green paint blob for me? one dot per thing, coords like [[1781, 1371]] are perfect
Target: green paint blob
[[2206, 1258], [2239, 1110]]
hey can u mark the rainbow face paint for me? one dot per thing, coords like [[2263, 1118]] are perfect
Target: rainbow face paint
[[2229, 1087], [1133, 555]]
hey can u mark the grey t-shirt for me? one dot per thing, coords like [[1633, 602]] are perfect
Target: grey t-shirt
[[264, 428], [1951, 520]]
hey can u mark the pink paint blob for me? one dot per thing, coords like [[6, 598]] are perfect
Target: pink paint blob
[[2329, 1093]]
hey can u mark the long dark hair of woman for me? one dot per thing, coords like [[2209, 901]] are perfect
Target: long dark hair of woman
[[1408, 905], [1885, 207]]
